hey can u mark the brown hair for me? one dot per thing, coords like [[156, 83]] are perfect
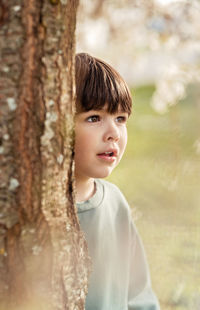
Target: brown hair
[[98, 84]]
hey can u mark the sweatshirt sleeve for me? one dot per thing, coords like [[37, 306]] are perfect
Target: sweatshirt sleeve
[[141, 296]]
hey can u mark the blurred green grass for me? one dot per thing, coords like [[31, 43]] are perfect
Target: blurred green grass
[[159, 175]]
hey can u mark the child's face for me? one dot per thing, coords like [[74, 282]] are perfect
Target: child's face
[[100, 142]]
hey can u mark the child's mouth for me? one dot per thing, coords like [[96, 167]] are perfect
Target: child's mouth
[[107, 156]]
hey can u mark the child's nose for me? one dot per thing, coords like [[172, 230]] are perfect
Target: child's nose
[[112, 133]]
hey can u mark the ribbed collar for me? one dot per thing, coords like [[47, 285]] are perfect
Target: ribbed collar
[[94, 201]]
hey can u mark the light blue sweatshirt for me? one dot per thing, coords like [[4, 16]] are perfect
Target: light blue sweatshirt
[[120, 278]]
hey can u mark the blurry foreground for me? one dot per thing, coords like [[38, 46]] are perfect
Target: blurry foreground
[[159, 176]]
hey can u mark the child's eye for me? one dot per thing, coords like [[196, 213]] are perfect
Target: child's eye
[[121, 119], [93, 119]]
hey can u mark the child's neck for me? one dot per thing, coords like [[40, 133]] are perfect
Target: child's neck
[[85, 189]]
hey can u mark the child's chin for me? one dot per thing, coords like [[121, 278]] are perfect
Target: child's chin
[[103, 174]]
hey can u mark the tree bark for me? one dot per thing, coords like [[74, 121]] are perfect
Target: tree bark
[[43, 254]]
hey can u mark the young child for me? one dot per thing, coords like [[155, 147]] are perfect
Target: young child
[[120, 278]]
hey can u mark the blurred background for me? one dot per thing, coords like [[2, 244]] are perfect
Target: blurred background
[[155, 45]]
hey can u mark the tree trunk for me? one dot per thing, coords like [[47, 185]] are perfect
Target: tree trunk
[[43, 254]]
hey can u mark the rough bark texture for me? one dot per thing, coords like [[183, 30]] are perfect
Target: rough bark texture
[[43, 253]]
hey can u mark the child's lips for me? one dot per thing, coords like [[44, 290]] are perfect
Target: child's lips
[[109, 156]]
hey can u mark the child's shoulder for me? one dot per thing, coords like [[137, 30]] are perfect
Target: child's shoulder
[[113, 193], [111, 187]]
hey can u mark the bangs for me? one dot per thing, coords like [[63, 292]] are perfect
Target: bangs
[[99, 85]]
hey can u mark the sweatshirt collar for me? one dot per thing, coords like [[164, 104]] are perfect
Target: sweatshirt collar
[[94, 201]]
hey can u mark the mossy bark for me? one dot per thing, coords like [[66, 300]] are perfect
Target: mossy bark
[[43, 254]]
